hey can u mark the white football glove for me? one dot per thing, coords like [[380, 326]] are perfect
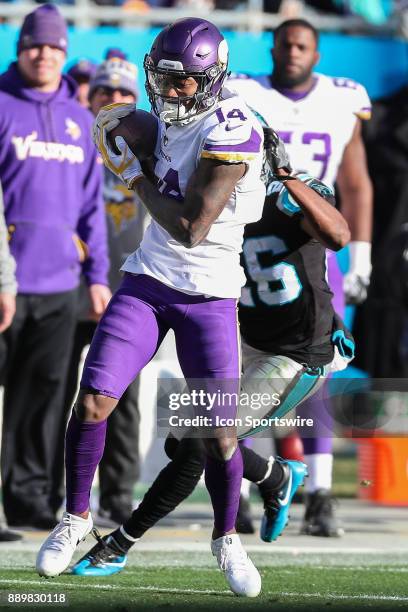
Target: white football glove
[[125, 165], [109, 117], [357, 279]]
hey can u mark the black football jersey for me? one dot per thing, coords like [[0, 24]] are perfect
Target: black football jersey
[[285, 306]]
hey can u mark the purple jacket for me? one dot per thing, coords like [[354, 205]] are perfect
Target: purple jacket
[[52, 187]]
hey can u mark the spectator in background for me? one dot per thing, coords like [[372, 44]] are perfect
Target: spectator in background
[[54, 211], [288, 9], [385, 354], [117, 53], [298, 103], [82, 72], [115, 81], [8, 290], [376, 12]]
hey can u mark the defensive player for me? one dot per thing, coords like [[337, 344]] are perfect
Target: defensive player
[[319, 119], [289, 330], [186, 276]]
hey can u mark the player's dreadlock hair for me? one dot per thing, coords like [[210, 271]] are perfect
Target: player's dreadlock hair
[[296, 23]]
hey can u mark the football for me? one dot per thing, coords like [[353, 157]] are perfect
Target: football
[[139, 130]]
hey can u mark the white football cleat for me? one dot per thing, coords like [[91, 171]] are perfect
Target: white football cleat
[[239, 571], [56, 553]]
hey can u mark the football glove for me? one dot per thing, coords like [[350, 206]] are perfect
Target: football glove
[[343, 344], [275, 153], [357, 279], [124, 164], [109, 117]]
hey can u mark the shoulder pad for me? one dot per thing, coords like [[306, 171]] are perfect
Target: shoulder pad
[[235, 138]]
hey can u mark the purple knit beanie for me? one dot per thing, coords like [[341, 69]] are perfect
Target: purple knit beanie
[[44, 26]]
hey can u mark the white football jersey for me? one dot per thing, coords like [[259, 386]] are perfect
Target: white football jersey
[[315, 128], [228, 132]]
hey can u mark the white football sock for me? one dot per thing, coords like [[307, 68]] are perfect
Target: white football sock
[[320, 468]]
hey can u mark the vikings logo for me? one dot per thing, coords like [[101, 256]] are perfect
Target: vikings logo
[[72, 129], [121, 213]]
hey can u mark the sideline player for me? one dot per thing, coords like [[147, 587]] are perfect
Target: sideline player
[[319, 118], [287, 321], [185, 276]]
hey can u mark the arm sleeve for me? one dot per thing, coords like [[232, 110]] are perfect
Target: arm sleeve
[[92, 224], [8, 283]]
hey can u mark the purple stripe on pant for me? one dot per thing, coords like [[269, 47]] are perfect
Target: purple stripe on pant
[[136, 321]]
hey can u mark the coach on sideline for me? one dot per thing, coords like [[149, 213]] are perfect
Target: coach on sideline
[[56, 223]]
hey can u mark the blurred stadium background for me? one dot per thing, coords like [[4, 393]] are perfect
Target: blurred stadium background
[[369, 47], [363, 40]]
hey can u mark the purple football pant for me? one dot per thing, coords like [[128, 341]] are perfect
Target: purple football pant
[[130, 332], [318, 440]]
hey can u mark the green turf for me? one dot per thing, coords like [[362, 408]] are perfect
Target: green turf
[[156, 581]]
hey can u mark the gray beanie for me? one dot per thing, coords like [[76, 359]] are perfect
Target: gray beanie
[[115, 73]]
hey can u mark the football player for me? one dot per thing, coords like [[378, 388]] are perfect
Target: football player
[[319, 119], [291, 340], [185, 276]]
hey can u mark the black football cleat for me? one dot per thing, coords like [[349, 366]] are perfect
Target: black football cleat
[[319, 519], [104, 559], [6, 535]]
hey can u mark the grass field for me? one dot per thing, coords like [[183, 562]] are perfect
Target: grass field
[[189, 580], [172, 568]]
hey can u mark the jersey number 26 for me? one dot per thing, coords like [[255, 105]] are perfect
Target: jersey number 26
[[276, 285]]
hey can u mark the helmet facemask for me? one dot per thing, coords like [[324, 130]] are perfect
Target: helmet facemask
[[181, 110]]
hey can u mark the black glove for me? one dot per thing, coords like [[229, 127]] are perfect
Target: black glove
[[342, 338], [275, 152]]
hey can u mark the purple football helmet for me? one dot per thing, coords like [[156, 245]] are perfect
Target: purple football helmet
[[190, 47]]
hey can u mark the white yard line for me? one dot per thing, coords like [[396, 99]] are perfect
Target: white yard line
[[152, 589], [109, 587], [335, 568], [204, 547], [362, 596]]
